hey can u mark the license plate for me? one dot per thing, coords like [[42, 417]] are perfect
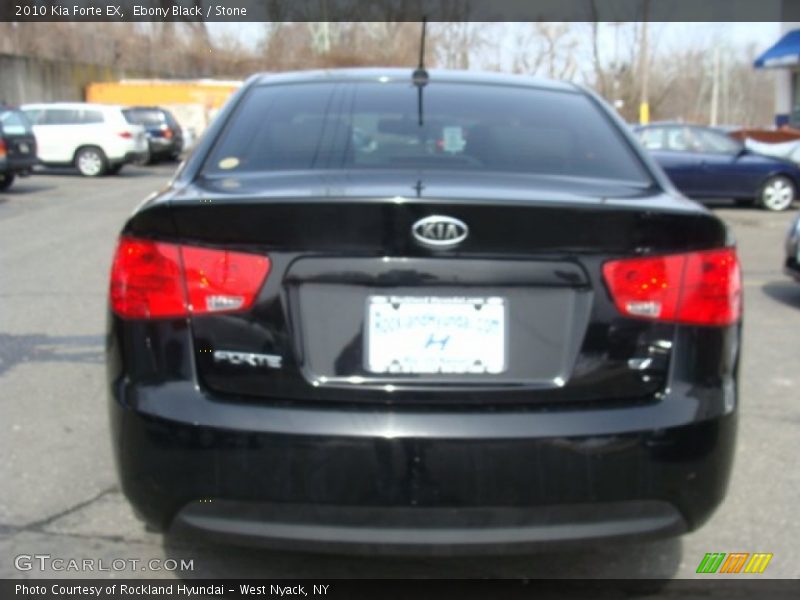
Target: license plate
[[429, 334], [23, 148]]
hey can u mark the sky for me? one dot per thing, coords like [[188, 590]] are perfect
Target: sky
[[761, 34]]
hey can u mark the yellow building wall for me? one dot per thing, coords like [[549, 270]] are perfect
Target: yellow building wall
[[209, 95]]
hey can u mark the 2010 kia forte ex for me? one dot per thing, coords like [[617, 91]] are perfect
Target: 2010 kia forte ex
[[452, 312]]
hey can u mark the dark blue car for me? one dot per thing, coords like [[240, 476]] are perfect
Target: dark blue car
[[164, 134], [704, 162]]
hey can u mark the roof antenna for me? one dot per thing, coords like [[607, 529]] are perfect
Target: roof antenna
[[420, 75]]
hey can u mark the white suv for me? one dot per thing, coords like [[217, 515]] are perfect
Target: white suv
[[95, 138]]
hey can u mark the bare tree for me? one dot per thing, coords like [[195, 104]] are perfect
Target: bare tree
[[546, 49], [458, 43]]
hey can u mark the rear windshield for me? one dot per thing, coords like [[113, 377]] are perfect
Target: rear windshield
[[464, 126], [14, 122], [144, 116]]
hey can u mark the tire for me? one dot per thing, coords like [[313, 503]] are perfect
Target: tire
[[777, 193], [6, 181], [91, 161]]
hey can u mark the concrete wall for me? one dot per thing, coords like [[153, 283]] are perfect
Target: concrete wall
[[29, 79]]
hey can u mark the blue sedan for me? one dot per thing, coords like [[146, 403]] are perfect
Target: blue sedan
[[703, 162]]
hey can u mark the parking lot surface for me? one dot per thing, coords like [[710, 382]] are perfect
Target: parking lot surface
[[59, 494]]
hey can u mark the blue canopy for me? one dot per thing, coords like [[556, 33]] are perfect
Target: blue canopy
[[786, 53]]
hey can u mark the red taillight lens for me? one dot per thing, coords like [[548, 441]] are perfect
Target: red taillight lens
[[146, 280], [167, 132], [218, 280], [156, 280], [3, 149], [702, 288], [712, 288], [125, 134]]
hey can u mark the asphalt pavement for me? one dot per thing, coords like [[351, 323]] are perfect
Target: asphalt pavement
[[58, 491]]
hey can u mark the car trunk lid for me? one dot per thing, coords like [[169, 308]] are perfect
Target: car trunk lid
[[339, 247]]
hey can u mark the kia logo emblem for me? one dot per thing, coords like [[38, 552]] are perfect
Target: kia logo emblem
[[439, 232]]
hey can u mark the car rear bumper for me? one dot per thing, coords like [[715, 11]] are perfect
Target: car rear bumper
[[424, 530], [422, 485], [18, 165], [164, 145]]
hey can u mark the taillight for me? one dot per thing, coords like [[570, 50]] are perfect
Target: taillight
[[702, 288], [3, 149], [146, 280], [218, 280], [125, 134], [156, 280], [167, 132]]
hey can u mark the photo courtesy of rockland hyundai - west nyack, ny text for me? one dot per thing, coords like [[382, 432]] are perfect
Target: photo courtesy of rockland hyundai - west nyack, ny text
[[366, 299]]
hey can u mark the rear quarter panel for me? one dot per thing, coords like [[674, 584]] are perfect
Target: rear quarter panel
[[56, 143], [757, 169]]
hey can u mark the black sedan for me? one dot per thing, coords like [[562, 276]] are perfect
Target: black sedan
[[489, 322], [704, 162], [17, 146]]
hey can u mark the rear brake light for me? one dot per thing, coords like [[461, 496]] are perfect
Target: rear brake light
[[702, 288], [167, 132], [125, 134], [153, 279], [3, 149], [146, 280], [218, 280]]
